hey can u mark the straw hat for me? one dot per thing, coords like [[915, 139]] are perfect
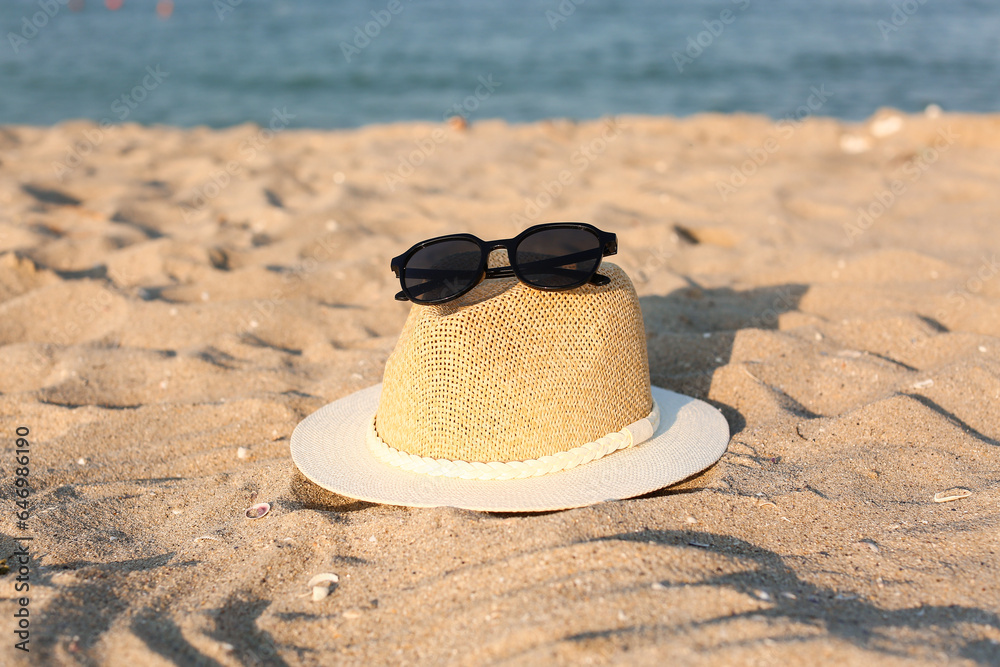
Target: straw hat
[[513, 399]]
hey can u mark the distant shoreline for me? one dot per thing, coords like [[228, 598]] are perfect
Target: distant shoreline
[[932, 111]]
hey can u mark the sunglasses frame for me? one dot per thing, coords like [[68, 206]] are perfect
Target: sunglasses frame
[[608, 243]]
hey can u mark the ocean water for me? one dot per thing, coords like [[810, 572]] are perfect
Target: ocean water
[[335, 64]]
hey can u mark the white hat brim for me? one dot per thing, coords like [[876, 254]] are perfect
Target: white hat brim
[[330, 449]]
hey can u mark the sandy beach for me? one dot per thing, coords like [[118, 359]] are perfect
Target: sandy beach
[[174, 301]]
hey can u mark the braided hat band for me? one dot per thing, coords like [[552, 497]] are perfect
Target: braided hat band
[[635, 433]]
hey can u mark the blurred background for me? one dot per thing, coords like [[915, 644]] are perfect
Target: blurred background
[[345, 64]]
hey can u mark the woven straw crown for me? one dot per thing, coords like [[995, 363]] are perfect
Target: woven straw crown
[[510, 373]]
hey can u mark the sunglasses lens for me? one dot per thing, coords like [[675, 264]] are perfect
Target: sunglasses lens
[[559, 258], [442, 270]]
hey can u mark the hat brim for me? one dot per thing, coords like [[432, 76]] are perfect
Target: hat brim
[[329, 448]]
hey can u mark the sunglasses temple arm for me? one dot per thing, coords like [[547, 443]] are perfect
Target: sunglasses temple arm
[[508, 272], [598, 279]]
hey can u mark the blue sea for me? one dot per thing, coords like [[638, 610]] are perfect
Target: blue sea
[[330, 64]]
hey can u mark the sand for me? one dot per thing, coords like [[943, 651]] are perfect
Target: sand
[[169, 296]]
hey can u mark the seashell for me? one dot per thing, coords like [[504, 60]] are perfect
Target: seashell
[[322, 584], [883, 127], [258, 510], [949, 495], [242, 452]]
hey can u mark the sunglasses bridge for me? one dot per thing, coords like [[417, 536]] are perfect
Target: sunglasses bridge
[[499, 271]]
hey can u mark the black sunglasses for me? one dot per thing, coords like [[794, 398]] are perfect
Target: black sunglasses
[[553, 256]]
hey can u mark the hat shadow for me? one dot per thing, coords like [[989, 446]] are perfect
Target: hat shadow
[[690, 334], [798, 603], [691, 331], [306, 495]]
